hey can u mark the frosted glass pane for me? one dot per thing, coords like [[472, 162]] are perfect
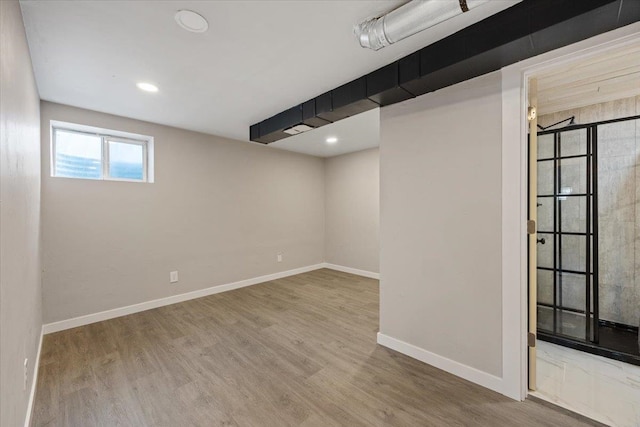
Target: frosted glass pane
[[572, 254], [545, 286], [545, 178], [545, 214], [571, 291], [573, 142], [573, 214], [78, 155], [545, 146], [573, 176], [545, 250], [126, 161]]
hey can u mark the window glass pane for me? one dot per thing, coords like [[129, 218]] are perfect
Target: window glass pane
[[126, 161], [78, 155]]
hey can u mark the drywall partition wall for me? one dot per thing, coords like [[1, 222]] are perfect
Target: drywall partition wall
[[20, 290], [440, 228], [352, 207], [218, 212]]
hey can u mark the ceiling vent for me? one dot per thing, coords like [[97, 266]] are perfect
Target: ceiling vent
[[295, 130]]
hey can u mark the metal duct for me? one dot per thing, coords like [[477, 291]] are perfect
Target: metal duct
[[409, 19], [488, 45]]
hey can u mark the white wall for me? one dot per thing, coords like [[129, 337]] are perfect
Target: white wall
[[20, 290], [218, 212], [352, 191], [440, 226]]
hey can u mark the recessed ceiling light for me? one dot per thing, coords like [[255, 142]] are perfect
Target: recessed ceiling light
[[332, 140], [192, 21], [147, 87]]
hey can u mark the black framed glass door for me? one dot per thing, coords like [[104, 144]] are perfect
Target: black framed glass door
[[567, 266], [588, 233]]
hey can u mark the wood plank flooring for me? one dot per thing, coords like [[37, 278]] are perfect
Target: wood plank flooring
[[299, 351]]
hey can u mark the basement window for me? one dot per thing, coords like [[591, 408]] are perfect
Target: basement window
[[85, 152]]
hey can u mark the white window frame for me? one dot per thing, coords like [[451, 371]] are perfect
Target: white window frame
[[106, 136], [106, 161]]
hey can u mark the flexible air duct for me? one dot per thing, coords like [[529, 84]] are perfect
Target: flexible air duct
[[409, 19]]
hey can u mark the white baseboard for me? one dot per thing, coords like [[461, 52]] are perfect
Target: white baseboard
[[355, 271], [148, 305], [34, 383], [456, 368]]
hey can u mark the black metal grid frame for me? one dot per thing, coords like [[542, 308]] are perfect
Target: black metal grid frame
[[557, 233], [591, 311]]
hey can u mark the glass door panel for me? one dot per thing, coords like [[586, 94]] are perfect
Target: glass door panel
[[565, 223]]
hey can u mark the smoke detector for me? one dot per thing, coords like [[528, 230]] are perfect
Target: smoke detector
[[192, 21]]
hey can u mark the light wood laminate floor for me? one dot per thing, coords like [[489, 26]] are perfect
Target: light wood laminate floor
[[299, 351]]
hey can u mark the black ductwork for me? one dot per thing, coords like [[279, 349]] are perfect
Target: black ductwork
[[347, 100], [310, 115], [527, 29]]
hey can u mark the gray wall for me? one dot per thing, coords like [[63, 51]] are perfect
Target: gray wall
[[219, 211], [20, 290], [352, 194], [618, 218], [440, 223]]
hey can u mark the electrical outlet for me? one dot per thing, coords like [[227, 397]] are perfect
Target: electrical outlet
[[173, 277], [26, 374], [279, 256]]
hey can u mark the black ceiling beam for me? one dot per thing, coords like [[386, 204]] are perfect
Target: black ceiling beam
[[527, 29]]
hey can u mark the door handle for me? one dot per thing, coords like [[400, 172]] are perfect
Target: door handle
[[541, 241]]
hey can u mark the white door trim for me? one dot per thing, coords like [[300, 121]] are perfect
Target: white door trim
[[514, 195]]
